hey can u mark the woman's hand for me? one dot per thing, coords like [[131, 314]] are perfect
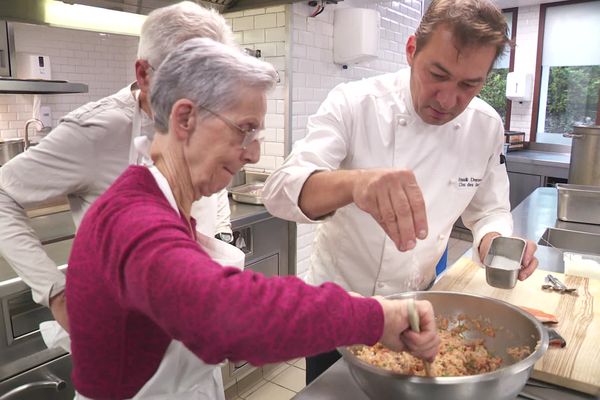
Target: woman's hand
[[397, 335]]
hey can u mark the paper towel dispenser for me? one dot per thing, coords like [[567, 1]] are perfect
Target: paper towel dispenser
[[519, 86], [355, 35]]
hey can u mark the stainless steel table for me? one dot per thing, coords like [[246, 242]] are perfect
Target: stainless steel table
[[531, 218], [337, 383], [541, 163], [541, 158], [538, 212], [55, 228]]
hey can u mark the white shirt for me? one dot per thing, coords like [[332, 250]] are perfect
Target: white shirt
[[372, 124], [79, 159]]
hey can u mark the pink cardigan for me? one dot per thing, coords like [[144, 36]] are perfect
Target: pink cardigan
[[137, 279]]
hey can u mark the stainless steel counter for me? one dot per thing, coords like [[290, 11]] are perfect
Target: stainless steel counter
[[542, 163], [54, 226], [531, 218], [245, 214], [337, 384], [545, 158], [538, 212]]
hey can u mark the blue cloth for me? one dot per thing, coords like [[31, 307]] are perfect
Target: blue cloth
[[441, 265]]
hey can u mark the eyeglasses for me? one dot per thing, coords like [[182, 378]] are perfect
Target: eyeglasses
[[250, 135]]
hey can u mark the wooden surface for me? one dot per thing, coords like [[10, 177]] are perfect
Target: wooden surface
[[577, 366], [56, 205]]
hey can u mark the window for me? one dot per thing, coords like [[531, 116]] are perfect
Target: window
[[494, 90], [569, 83]]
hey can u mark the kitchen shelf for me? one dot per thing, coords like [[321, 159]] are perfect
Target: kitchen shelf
[[26, 86]]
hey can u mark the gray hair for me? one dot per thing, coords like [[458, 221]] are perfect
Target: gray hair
[[167, 27], [208, 73]]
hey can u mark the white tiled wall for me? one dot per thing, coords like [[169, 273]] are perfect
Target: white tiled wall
[[103, 62], [266, 29], [284, 34], [314, 74], [525, 57]]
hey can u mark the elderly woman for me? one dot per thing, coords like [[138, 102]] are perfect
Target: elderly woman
[[151, 313]]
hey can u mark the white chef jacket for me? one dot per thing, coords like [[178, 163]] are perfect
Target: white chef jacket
[[79, 159], [372, 124]]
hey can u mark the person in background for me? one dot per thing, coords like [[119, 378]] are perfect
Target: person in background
[[90, 147], [151, 312], [389, 163]]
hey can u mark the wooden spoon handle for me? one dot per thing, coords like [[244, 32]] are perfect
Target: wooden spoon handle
[[413, 316], [415, 325]]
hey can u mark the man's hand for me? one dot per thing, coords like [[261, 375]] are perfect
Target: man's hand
[[486, 243], [529, 262], [397, 335], [395, 200], [58, 306]]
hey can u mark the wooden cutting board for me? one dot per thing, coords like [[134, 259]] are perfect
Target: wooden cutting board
[[576, 366]]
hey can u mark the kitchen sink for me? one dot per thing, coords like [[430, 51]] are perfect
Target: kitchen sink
[[575, 241]]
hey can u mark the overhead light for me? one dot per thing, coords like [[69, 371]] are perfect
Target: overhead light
[[78, 16]]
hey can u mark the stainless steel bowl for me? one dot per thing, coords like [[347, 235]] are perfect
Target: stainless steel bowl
[[514, 328]]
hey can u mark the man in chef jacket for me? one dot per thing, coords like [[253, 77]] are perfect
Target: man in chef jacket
[[91, 147], [391, 162]]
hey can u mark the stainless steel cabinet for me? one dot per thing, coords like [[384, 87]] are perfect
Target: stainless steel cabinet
[[268, 266], [521, 186], [265, 243]]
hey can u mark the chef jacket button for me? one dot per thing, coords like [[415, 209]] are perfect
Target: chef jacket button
[[402, 122], [456, 126], [452, 181], [441, 237], [380, 285]]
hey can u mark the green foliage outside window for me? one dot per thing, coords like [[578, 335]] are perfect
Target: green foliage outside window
[[494, 90], [572, 97]]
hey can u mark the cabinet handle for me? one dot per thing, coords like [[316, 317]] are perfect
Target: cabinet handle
[[572, 135], [52, 382]]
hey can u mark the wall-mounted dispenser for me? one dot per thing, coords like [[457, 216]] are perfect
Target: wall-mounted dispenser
[[355, 35], [519, 86]]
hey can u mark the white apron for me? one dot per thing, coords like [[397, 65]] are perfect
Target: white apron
[[181, 375]]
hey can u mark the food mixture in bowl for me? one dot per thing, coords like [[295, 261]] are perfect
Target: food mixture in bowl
[[458, 355]]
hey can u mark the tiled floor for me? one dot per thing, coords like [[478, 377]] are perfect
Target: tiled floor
[[283, 381], [279, 382]]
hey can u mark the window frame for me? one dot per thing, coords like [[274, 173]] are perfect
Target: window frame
[[535, 110], [511, 63]]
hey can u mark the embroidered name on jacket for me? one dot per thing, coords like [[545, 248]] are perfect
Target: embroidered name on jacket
[[468, 182]]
